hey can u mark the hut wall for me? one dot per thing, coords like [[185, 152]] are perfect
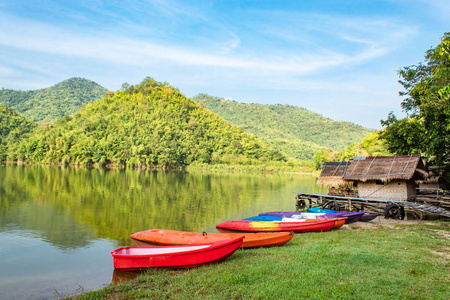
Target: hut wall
[[393, 190]]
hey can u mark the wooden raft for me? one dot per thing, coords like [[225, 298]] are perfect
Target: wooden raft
[[423, 206]]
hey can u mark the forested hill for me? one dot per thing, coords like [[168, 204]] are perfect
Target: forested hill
[[64, 98], [296, 131], [13, 127], [148, 125]]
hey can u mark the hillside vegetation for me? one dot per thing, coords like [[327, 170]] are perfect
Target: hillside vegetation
[[297, 132], [148, 125], [13, 127], [64, 98]]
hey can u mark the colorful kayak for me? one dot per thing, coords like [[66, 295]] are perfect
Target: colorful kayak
[[368, 217], [264, 218], [302, 215], [184, 256], [321, 210], [338, 221], [175, 237], [262, 226], [364, 218], [351, 216]]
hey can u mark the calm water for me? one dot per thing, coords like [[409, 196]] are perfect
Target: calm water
[[59, 225]]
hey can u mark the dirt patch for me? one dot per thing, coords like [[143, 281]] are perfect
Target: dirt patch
[[444, 254], [444, 233], [390, 222]]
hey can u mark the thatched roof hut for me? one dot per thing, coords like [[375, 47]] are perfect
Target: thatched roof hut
[[384, 168], [367, 172]]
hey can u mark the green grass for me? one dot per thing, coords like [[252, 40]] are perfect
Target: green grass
[[399, 262], [280, 167]]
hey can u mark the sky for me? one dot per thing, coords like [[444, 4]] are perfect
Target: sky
[[336, 58]]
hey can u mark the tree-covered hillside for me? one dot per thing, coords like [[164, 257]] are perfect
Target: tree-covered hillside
[[64, 98], [13, 127], [296, 131], [148, 125]]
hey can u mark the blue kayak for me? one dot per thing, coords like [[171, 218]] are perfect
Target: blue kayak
[[320, 210], [364, 218], [264, 218], [351, 216]]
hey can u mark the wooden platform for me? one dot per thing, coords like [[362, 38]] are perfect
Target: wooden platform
[[424, 206]]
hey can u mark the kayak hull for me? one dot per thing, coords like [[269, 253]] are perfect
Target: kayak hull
[[275, 226], [175, 237], [339, 222], [184, 256], [368, 217], [352, 217]]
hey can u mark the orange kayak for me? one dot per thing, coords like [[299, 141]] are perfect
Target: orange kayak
[[339, 222], [175, 237]]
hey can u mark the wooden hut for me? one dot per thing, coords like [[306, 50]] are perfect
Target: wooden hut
[[379, 177]]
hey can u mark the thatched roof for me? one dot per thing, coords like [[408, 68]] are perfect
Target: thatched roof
[[333, 174], [385, 168]]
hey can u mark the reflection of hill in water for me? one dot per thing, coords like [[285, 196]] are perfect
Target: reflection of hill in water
[[81, 203], [54, 226]]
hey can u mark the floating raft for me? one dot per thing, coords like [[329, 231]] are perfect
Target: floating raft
[[375, 205]]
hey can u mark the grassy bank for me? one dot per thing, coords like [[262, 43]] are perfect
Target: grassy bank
[[293, 167], [367, 261]]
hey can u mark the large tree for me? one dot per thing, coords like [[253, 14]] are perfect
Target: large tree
[[426, 129]]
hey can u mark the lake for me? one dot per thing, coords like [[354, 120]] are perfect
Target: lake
[[58, 225]]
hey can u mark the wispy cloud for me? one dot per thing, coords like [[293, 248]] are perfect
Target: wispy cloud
[[320, 52], [37, 36]]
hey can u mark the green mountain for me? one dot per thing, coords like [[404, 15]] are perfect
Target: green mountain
[[13, 127], [297, 132], [64, 98], [148, 125]]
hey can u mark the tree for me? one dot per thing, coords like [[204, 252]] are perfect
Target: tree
[[372, 145], [426, 129], [322, 156]]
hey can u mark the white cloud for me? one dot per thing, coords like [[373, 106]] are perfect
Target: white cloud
[[328, 59], [40, 37]]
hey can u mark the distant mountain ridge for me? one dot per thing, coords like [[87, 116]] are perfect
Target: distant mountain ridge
[[297, 132], [64, 98], [150, 125]]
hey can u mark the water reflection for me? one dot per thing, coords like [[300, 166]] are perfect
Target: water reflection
[[120, 276], [72, 206], [71, 210]]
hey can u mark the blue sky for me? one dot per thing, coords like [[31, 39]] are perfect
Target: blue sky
[[337, 58]]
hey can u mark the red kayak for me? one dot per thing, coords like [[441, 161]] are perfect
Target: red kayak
[[185, 256], [263, 226]]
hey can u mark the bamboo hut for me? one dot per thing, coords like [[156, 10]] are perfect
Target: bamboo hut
[[379, 177]]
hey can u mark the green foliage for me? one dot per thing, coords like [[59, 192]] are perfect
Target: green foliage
[[13, 128], [426, 129], [148, 125], [296, 131], [372, 145], [322, 156], [351, 151], [64, 98]]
